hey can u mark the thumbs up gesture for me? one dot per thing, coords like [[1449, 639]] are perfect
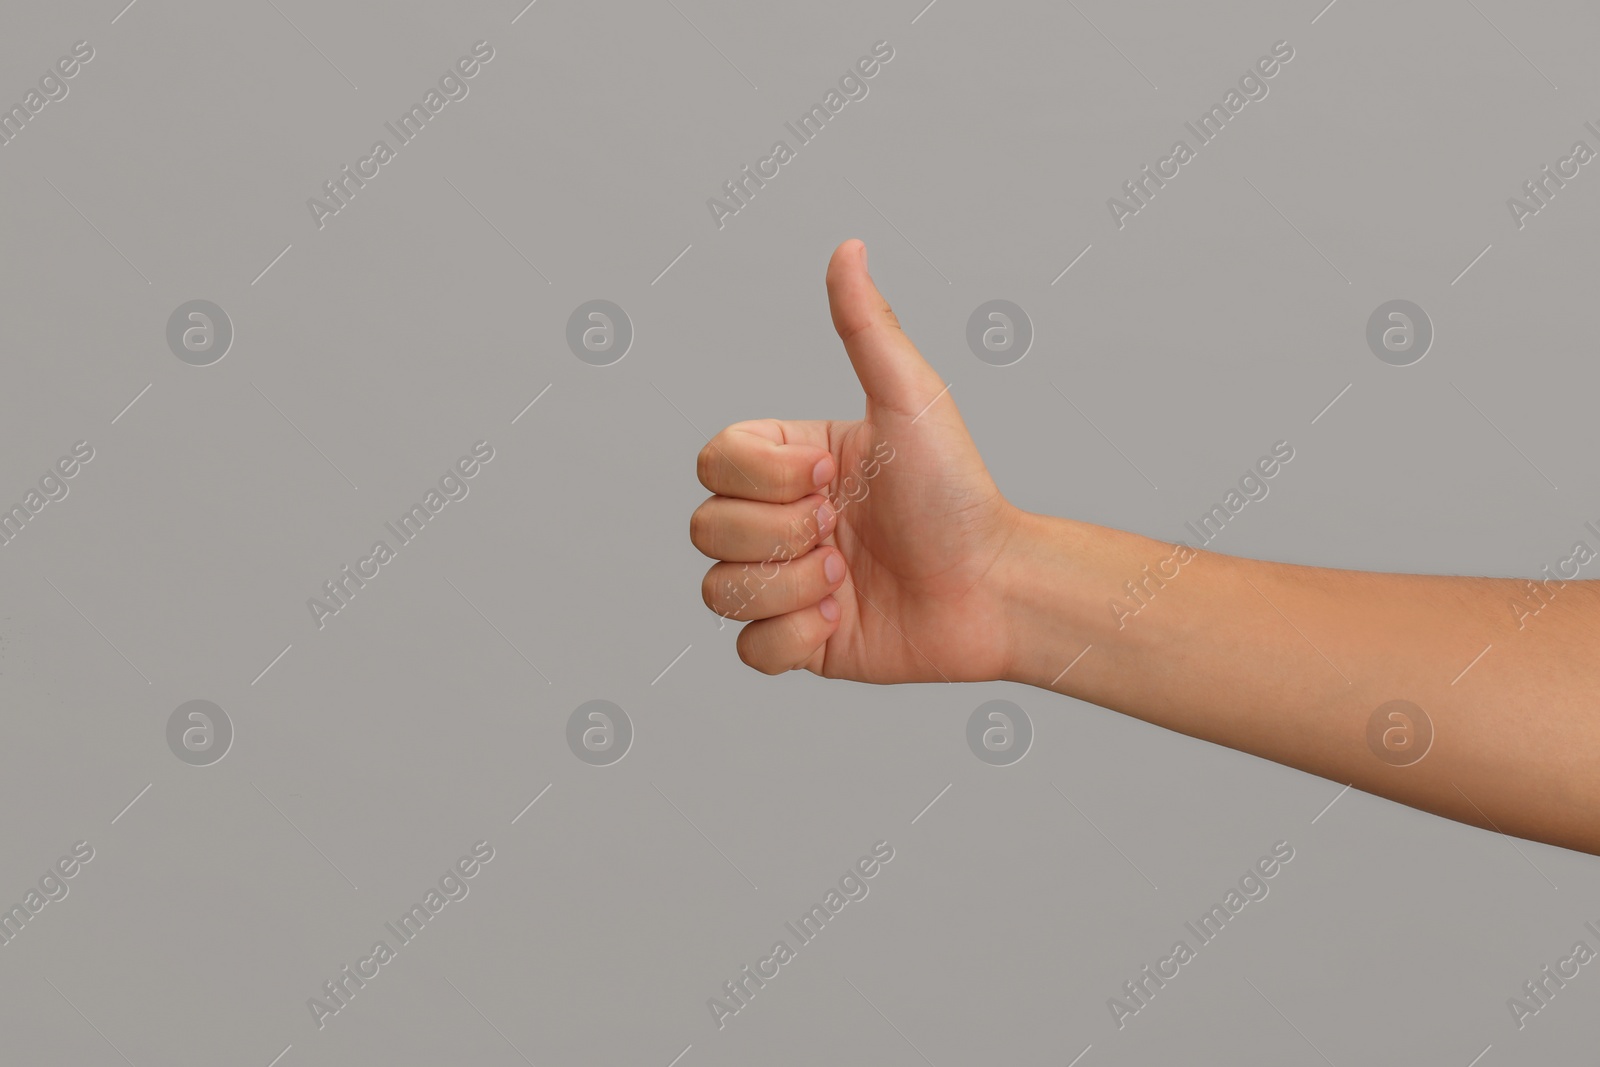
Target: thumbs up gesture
[[875, 549]]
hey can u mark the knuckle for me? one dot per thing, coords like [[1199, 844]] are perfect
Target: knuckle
[[811, 583], [702, 531], [708, 587], [748, 645], [801, 528], [703, 466], [798, 582], [774, 475], [778, 474], [706, 463], [732, 591]]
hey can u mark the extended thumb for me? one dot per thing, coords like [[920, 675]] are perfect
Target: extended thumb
[[891, 370]]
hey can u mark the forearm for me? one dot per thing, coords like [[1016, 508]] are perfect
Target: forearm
[[1290, 663]]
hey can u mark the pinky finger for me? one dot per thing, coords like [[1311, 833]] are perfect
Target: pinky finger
[[782, 643]]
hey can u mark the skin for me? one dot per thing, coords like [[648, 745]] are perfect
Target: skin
[[921, 571]]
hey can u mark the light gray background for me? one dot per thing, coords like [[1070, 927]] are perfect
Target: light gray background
[[375, 351]]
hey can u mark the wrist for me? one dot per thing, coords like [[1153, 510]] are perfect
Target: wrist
[[1048, 569], [1071, 588]]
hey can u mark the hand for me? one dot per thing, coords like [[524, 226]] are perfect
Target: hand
[[920, 571], [867, 550]]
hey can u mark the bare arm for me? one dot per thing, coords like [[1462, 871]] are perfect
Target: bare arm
[[881, 550], [1294, 664]]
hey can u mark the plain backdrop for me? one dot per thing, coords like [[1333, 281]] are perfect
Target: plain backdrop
[[369, 354]]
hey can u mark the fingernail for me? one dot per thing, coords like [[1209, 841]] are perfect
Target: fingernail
[[833, 568], [824, 517], [822, 473], [829, 608]]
